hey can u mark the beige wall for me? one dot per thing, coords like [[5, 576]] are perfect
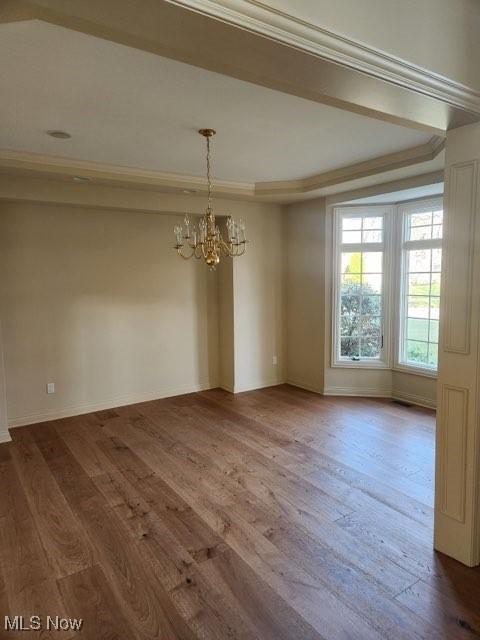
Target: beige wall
[[95, 300], [225, 325], [259, 301], [417, 389], [305, 224]]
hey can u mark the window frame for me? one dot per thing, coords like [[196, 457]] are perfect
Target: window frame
[[403, 245], [385, 211]]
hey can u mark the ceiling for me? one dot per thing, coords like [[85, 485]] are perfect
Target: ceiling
[[130, 108]]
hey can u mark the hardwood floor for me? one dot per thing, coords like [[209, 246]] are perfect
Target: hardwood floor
[[275, 514]]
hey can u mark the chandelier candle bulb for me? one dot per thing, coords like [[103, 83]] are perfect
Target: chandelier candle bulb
[[205, 240]]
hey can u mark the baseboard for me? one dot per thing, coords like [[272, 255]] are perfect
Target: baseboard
[[376, 392], [76, 410], [420, 401], [367, 392], [303, 385], [226, 387], [260, 384]]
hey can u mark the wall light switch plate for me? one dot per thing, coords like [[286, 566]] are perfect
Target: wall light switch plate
[[274, 360], [51, 387]]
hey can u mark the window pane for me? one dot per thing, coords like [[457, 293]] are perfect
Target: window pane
[[349, 237], [371, 326], [420, 233], [349, 347], [435, 286], [421, 301], [360, 322], [372, 235], [372, 262], [436, 259], [417, 352], [349, 325], [418, 307], [351, 224], [371, 305], [373, 222], [417, 329], [350, 305], [371, 283], [351, 262], [419, 260], [420, 219], [434, 308], [370, 347], [434, 330], [351, 283], [433, 355], [419, 284]]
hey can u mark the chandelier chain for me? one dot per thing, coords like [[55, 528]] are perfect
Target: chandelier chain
[[209, 181]]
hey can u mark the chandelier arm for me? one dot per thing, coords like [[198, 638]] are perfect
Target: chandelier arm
[[183, 255]]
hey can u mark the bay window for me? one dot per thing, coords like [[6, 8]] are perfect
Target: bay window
[[387, 269]]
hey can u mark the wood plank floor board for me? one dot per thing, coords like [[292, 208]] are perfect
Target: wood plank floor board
[[142, 597], [267, 515], [304, 593], [458, 618], [360, 461], [87, 596], [25, 568], [354, 490], [67, 547]]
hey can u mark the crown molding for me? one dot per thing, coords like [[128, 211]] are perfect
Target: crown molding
[[57, 166], [275, 24], [380, 164], [103, 173]]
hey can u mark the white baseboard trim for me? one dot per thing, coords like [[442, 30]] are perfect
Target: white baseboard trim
[[304, 385], [260, 384], [76, 410], [226, 387], [367, 392], [420, 401], [375, 392]]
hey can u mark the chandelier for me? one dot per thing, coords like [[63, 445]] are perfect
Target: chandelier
[[205, 240]]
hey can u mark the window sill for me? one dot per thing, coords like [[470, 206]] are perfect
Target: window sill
[[416, 371], [359, 364]]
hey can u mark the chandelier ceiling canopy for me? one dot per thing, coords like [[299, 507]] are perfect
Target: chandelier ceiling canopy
[[205, 239]]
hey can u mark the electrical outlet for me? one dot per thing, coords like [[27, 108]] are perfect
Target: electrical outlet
[[274, 361], [50, 387]]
